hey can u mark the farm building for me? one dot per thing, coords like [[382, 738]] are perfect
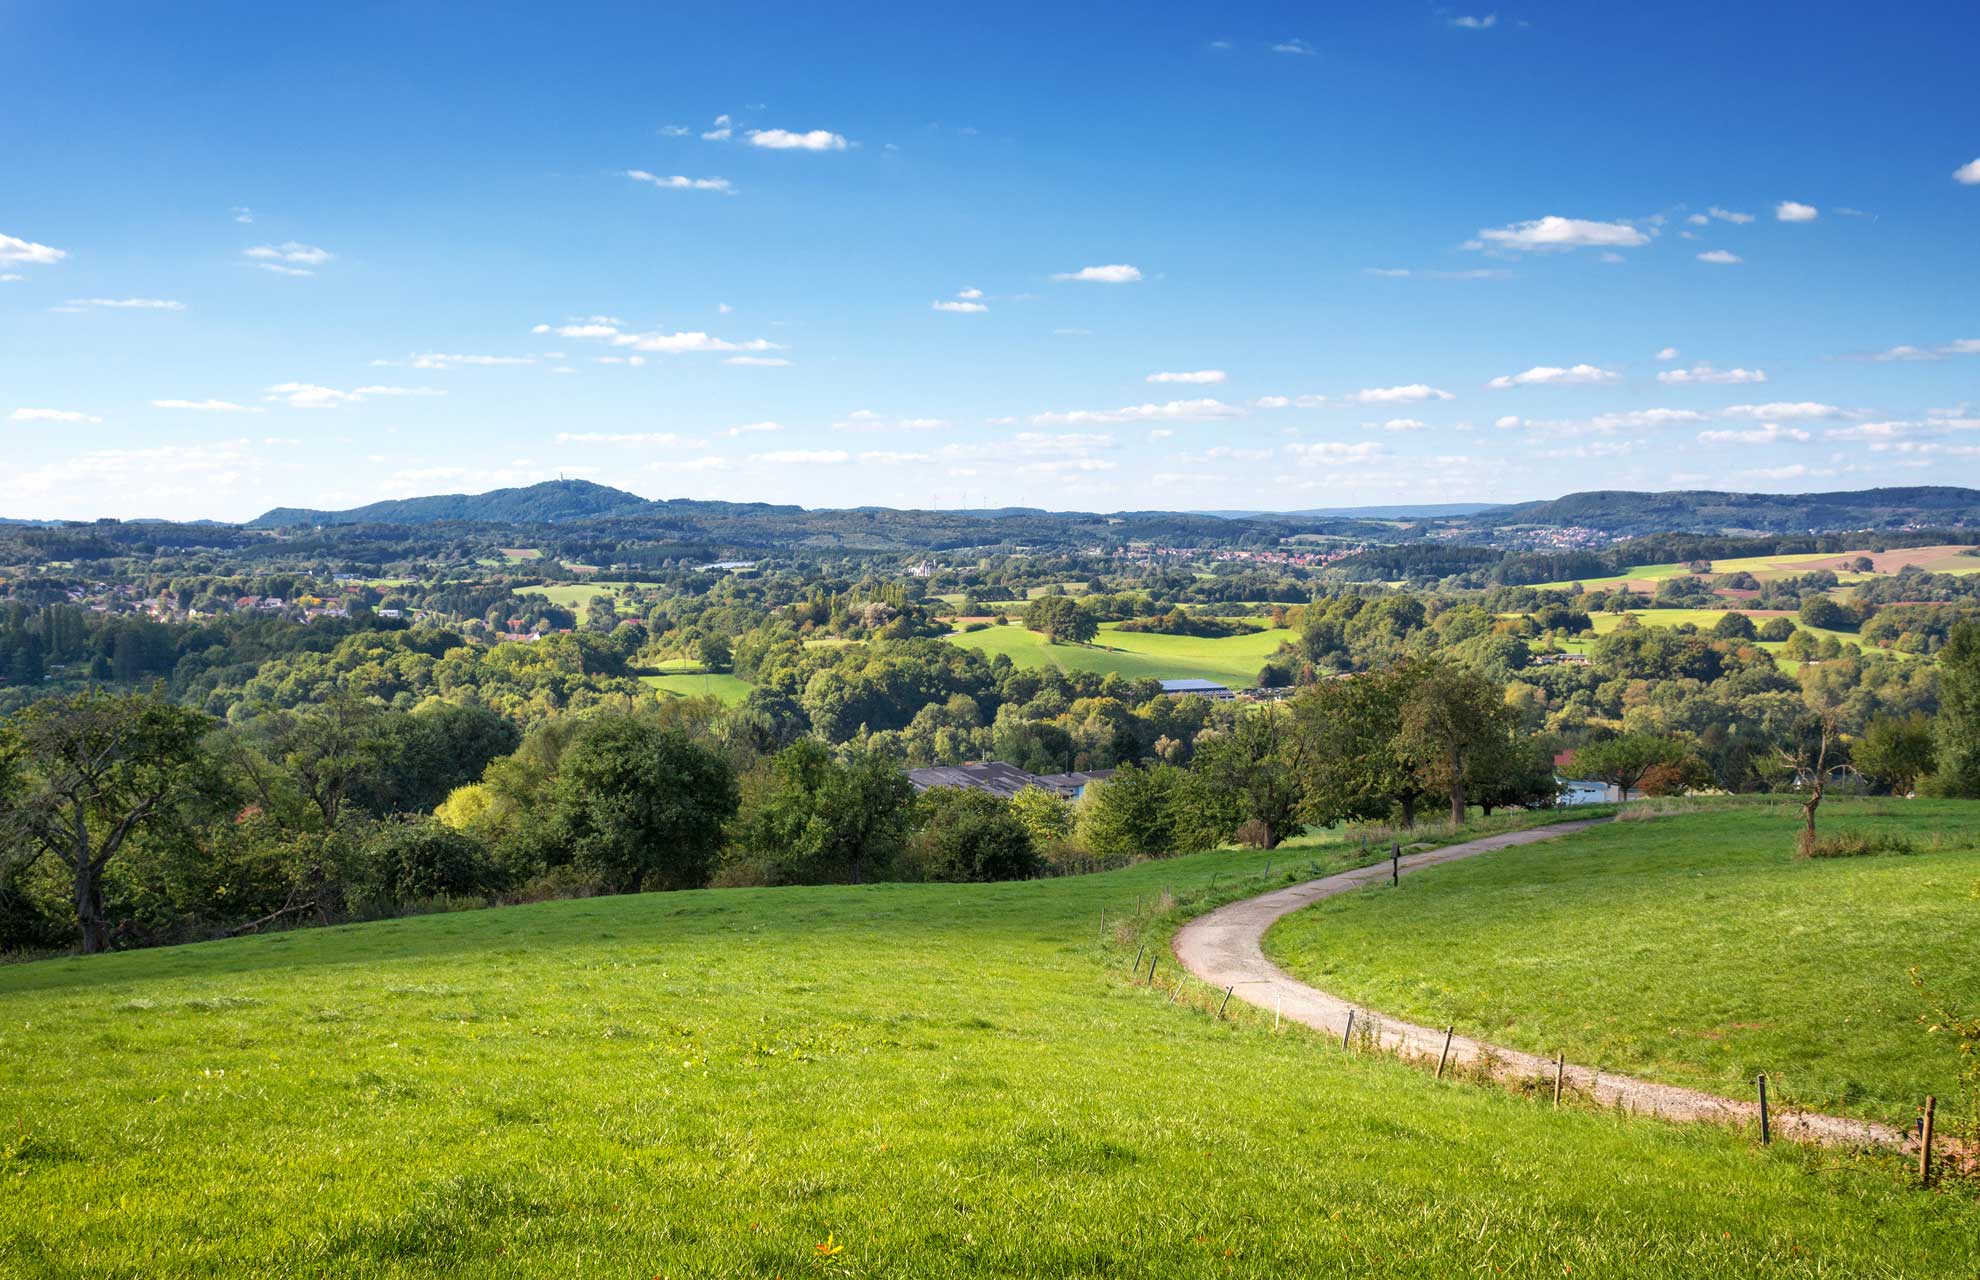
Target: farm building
[[1004, 780], [1197, 688]]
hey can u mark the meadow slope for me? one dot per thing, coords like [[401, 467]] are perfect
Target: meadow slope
[[933, 1080]]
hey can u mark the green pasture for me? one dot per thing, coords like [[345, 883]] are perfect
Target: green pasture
[[700, 684], [878, 1081], [1695, 950], [1139, 655], [575, 596], [1706, 619]]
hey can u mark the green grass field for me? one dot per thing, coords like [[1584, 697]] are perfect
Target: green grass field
[[938, 1080], [575, 596], [699, 684], [1939, 559], [1231, 660], [1695, 950]]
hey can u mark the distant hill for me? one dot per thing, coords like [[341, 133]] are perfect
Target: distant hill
[[1626, 513], [551, 502], [1406, 511]]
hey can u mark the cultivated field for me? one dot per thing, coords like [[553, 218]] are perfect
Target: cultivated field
[[890, 1080], [1645, 577], [1695, 950], [1230, 660]]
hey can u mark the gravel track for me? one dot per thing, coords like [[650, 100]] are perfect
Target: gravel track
[[1223, 948]]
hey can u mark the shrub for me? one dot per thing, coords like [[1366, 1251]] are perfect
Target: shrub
[[1858, 844], [421, 858]]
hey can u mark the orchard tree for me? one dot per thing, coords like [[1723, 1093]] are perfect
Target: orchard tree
[[1624, 762], [1957, 729], [1059, 618], [1342, 745], [1453, 720], [82, 776]]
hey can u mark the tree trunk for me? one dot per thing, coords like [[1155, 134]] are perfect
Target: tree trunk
[[1457, 804], [1808, 807], [1409, 812], [89, 910]]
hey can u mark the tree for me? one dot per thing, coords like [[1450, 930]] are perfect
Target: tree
[[1133, 812], [1958, 725], [1776, 629], [1048, 818], [642, 806], [1451, 720], [1249, 763], [1624, 762], [1734, 626], [825, 822], [1895, 751], [714, 653], [969, 835], [81, 776], [414, 858], [1342, 745], [1821, 611], [1060, 618]]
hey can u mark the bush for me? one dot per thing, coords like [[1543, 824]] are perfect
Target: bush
[[420, 858], [1859, 844], [968, 835]]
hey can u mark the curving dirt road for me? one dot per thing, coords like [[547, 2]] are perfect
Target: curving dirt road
[[1223, 949]]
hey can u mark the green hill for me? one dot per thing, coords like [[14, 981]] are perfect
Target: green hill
[[930, 1080]]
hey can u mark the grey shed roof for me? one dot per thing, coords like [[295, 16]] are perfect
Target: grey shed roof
[[999, 779]]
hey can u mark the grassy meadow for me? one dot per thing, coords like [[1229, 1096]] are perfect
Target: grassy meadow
[[728, 688], [1939, 559], [888, 1080], [1229, 660], [1695, 950], [1705, 620]]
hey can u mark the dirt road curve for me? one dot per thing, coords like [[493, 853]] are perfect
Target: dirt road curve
[[1223, 949]]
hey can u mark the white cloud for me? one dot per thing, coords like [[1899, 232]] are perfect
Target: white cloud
[[969, 307], [126, 304], [1723, 215], [786, 140], [1405, 424], [207, 406], [1637, 419], [867, 420], [893, 457], [242, 214], [1410, 394], [1553, 376], [449, 360], [306, 395], [1668, 353], [290, 258], [1795, 211], [1202, 410], [674, 131], [1870, 431], [1296, 45], [1723, 257], [751, 428], [1196, 376], [1771, 433], [15, 249], [607, 328], [1968, 174], [1116, 273], [679, 182], [1337, 453], [1705, 373], [969, 293], [663, 439], [1470, 23], [1957, 347], [50, 415], [722, 131], [1553, 233], [1509, 422], [803, 457], [9, 277], [1782, 409], [763, 361]]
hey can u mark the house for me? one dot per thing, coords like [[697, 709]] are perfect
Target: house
[[1197, 688], [1576, 791], [1071, 786]]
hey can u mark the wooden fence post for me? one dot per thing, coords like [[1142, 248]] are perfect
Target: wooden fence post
[[1560, 1074], [1445, 1056], [1766, 1134], [1395, 864], [1226, 1001], [1348, 1030], [1925, 1142], [1136, 966]]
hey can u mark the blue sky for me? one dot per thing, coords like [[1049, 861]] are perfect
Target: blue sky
[[1067, 256]]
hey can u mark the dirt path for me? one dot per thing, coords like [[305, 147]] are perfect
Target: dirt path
[[1223, 949]]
